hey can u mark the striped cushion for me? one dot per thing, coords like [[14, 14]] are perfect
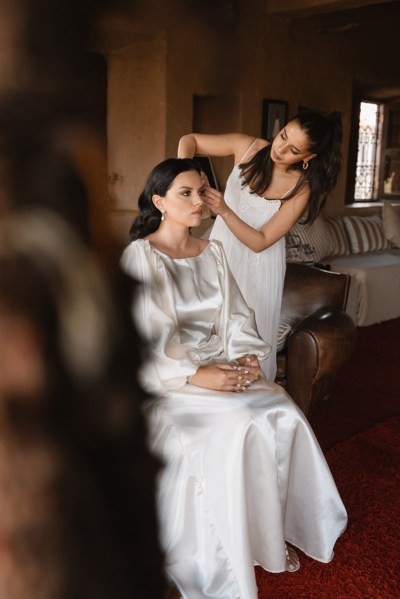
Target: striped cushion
[[316, 235], [365, 234], [341, 244], [286, 324], [283, 331]]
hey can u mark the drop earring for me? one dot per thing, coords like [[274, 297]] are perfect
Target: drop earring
[[162, 215], [305, 165]]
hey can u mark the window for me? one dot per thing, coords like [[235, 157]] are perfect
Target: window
[[369, 139], [390, 161], [374, 152]]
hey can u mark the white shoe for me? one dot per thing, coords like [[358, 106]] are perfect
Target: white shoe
[[292, 559]]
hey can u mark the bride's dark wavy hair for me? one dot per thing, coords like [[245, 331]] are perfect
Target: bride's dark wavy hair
[[158, 182], [324, 134]]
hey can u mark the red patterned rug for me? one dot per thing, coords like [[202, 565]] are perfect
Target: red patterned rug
[[359, 431], [366, 469]]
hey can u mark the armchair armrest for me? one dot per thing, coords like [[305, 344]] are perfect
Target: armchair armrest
[[317, 347], [307, 288]]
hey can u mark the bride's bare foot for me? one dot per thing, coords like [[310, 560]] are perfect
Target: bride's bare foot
[[292, 559]]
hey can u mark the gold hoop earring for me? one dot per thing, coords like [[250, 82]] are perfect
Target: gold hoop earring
[[305, 165]]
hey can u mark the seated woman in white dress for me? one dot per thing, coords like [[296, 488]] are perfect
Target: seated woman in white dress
[[244, 478]]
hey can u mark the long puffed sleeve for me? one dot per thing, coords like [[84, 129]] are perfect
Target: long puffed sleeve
[[170, 362], [236, 325]]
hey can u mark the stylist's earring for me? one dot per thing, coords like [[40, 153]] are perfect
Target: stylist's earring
[[305, 165], [162, 215]]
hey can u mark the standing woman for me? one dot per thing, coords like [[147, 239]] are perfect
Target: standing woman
[[271, 186], [244, 475]]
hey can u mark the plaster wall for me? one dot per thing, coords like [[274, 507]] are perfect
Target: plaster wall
[[153, 85], [136, 123]]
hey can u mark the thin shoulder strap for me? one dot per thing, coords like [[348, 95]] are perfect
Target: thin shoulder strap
[[248, 149], [289, 191]]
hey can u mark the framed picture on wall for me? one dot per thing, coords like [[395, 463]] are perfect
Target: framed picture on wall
[[274, 116], [207, 166]]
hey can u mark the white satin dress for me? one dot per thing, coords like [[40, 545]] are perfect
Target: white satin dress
[[243, 471], [260, 276]]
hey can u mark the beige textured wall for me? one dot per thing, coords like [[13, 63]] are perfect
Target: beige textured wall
[[136, 127], [323, 78], [152, 82]]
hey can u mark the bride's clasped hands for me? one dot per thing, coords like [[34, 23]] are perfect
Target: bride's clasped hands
[[236, 375]]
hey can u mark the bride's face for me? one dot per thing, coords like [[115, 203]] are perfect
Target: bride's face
[[184, 200]]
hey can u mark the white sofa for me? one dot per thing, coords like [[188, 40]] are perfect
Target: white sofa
[[366, 247]]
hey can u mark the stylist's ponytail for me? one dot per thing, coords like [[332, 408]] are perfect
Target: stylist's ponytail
[[332, 155], [325, 135]]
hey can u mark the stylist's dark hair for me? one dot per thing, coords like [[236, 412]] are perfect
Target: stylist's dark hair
[[158, 182], [324, 134]]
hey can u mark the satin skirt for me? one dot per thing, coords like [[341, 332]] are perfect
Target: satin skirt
[[243, 473]]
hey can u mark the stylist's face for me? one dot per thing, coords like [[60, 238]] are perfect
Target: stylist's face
[[291, 146], [183, 201]]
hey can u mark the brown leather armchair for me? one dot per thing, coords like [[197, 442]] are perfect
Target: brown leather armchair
[[322, 335]]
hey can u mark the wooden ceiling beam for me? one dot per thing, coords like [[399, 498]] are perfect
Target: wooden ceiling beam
[[295, 8]]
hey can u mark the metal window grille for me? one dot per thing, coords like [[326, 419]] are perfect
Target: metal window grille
[[367, 151]]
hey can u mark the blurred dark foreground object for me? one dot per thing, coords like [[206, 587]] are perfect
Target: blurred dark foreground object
[[76, 478]]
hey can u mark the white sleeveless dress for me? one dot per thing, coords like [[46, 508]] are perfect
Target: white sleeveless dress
[[259, 276]]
